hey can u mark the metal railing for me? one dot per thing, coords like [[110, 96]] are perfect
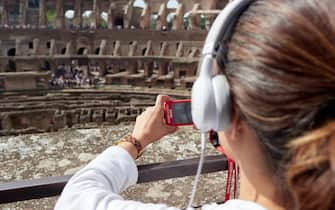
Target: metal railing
[[53, 186]]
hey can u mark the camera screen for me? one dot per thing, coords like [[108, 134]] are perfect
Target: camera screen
[[182, 113]]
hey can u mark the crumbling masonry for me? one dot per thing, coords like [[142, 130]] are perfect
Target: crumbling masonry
[[149, 46]]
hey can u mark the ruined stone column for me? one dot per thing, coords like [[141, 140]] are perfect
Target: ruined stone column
[[1, 52], [194, 18], [103, 46], [78, 18], [53, 65], [145, 17], [163, 49], [148, 68], [42, 20], [178, 20], [35, 44], [132, 67], [148, 65], [18, 47], [2, 62], [161, 19], [129, 14], [149, 50], [117, 48], [95, 20], [163, 68], [23, 12], [132, 49], [179, 52], [59, 19], [110, 15], [68, 49], [4, 14], [52, 47]]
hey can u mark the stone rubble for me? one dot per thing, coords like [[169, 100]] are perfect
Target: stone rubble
[[61, 153]]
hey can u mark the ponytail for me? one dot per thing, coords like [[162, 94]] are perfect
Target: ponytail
[[311, 172]]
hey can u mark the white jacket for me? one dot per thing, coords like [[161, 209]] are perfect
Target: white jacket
[[98, 186]]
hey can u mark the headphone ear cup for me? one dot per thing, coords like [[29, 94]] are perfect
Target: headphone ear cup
[[203, 104], [203, 100], [221, 92]]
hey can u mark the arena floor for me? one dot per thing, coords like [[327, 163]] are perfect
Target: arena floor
[[53, 154]]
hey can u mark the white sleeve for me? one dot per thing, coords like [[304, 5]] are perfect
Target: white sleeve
[[98, 185]]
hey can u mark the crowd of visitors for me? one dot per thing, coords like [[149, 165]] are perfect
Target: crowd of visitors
[[72, 76]]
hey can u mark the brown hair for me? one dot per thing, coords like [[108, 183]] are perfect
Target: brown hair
[[281, 68]]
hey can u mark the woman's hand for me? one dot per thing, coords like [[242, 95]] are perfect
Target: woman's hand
[[150, 125]]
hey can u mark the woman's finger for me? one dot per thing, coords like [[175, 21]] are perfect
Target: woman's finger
[[161, 99]]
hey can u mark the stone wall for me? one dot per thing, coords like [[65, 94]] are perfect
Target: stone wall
[[79, 109], [136, 57], [103, 13], [154, 45]]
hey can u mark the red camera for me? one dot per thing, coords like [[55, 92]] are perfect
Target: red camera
[[178, 113]]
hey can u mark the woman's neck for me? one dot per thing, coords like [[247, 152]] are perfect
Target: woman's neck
[[266, 194]]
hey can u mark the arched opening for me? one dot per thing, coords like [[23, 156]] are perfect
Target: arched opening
[[196, 54], [144, 50], [169, 19], [87, 15], [11, 66], [97, 51], [189, 51], [153, 20], [177, 45], [139, 3], [202, 22], [11, 52], [13, 14], [45, 65], [2, 88], [33, 4], [51, 14], [48, 44], [69, 15], [81, 51], [118, 22], [172, 4], [182, 73], [31, 45], [63, 51], [104, 20], [186, 20]]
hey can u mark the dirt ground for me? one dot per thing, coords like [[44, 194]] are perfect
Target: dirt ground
[[54, 154]]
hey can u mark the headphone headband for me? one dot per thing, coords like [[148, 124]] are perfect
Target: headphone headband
[[211, 102]]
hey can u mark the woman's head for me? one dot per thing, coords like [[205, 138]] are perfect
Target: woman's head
[[281, 70]]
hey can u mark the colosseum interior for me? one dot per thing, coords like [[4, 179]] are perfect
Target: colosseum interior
[[76, 66]]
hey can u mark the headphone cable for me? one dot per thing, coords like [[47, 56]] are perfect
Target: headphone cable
[[197, 176]]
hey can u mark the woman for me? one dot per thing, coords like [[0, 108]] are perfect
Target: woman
[[281, 71]]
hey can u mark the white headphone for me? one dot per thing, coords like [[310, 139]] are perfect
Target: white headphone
[[211, 102]]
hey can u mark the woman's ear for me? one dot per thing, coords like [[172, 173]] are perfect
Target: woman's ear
[[229, 139]]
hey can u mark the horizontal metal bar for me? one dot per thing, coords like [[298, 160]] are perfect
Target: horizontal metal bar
[[53, 186], [180, 168]]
